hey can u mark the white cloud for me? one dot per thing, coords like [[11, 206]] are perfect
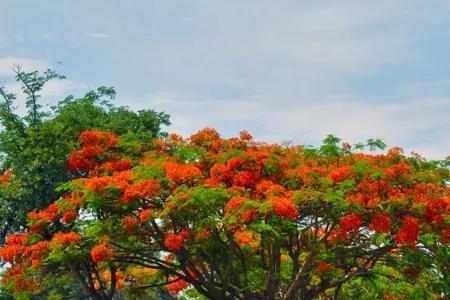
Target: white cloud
[[352, 120], [28, 64], [58, 88], [96, 35]]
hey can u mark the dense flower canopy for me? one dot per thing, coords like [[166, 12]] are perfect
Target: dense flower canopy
[[237, 219]]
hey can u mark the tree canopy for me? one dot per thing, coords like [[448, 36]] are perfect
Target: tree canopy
[[233, 218]]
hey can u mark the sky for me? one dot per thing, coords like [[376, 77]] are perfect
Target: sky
[[283, 70]]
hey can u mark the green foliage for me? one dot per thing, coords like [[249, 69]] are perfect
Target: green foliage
[[376, 144], [330, 146]]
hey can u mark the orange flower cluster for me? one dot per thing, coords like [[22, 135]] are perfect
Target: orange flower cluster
[[142, 190], [176, 241], [436, 209], [397, 170], [205, 137], [4, 178], [97, 137], [409, 232], [130, 223], [114, 166], [234, 205], [245, 135], [235, 163], [15, 245], [247, 179], [177, 285], [238, 172], [101, 253], [36, 252], [340, 174], [323, 267], [85, 159], [220, 173], [18, 251], [118, 180], [306, 174], [95, 145], [284, 207], [69, 216], [247, 238], [380, 223], [49, 214], [181, 173], [145, 215], [42, 217], [66, 208], [266, 189], [351, 223], [61, 238]]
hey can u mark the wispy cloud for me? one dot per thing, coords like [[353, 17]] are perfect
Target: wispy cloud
[[96, 35]]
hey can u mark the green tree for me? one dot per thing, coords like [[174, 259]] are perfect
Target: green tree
[[34, 147]]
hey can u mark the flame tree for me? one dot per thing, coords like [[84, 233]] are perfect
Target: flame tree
[[216, 218]]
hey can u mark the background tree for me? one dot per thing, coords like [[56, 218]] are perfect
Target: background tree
[[218, 218], [34, 148]]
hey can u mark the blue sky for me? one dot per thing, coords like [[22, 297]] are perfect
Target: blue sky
[[284, 70]]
